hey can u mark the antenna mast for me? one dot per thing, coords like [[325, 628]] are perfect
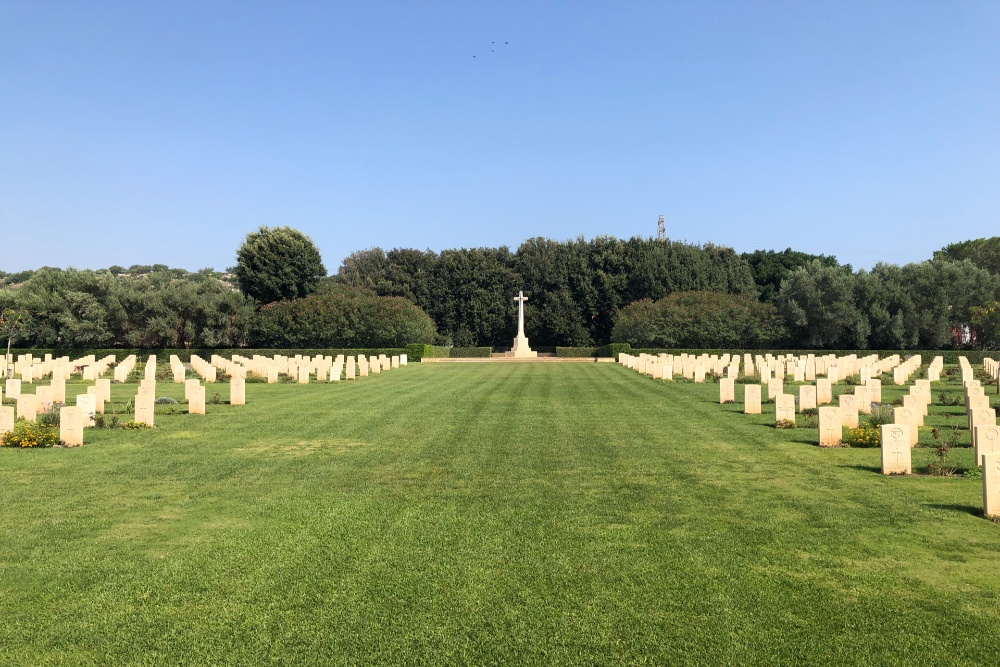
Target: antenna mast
[[661, 230]]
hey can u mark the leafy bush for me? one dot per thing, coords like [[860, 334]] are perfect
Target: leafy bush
[[418, 351], [50, 415], [465, 352], [950, 398], [30, 434], [863, 436], [784, 423], [698, 319], [343, 317], [166, 400], [882, 413]]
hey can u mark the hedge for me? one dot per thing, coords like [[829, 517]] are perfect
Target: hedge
[[610, 350], [465, 352]]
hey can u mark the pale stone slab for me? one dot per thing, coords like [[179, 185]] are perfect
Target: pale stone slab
[[71, 421], [699, 373], [6, 419], [350, 368], [824, 391], [987, 441], [43, 398], [864, 396], [991, 486], [896, 449], [727, 390], [237, 391], [58, 388], [751, 399], [144, 413], [103, 390], [303, 375], [831, 427], [189, 386], [917, 405], [981, 417], [13, 387], [874, 387], [849, 409], [907, 416], [784, 408], [196, 403], [27, 407], [775, 387], [88, 408], [807, 397]]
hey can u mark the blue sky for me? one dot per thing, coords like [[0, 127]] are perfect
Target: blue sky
[[140, 133]]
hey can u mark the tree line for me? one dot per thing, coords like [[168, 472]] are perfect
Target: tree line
[[581, 293]]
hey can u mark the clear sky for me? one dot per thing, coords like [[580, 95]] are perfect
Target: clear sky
[[141, 132]]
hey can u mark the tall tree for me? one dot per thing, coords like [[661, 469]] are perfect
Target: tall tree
[[769, 268], [984, 253], [276, 263]]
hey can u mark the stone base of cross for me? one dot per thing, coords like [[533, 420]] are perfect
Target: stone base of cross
[[521, 349]]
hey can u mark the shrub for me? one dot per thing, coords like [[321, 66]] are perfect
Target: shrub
[[882, 413], [343, 317], [576, 352], [134, 426], [863, 436], [166, 400], [698, 319], [613, 350], [49, 416], [950, 398], [30, 434], [784, 423]]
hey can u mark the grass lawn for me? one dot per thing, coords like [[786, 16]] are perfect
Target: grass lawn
[[488, 514]]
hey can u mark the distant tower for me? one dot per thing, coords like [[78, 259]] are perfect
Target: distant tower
[[661, 230]]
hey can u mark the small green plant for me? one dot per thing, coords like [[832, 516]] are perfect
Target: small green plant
[[99, 421], [134, 426], [853, 380], [216, 399], [811, 412], [863, 436], [975, 472], [950, 398], [941, 464], [882, 413], [166, 400], [30, 434], [785, 423], [50, 415]]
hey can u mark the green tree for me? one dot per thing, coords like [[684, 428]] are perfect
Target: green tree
[[985, 320], [699, 319], [276, 263], [984, 253], [769, 268], [342, 316], [817, 302]]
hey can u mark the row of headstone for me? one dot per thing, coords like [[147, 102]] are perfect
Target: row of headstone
[[32, 369], [124, 368], [802, 368]]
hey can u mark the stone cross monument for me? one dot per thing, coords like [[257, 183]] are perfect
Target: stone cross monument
[[521, 350]]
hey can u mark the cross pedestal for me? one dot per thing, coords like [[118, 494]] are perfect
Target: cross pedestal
[[521, 349]]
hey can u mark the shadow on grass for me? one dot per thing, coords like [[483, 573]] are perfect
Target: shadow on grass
[[873, 469], [967, 509]]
